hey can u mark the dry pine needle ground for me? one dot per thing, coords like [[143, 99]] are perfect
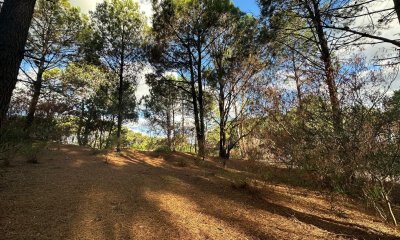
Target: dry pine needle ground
[[76, 194]]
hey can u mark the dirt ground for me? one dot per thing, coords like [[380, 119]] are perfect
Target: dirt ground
[[75, 193]]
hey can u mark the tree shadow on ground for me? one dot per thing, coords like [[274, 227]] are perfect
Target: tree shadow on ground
[[77, 195], [223, 190]]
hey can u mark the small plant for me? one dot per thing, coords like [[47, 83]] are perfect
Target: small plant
[[32, 150], [163, 149], [7, 152]]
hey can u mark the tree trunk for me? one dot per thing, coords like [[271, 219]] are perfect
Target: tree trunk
[[15, 19], [199, 143], [101, 139], [96, 138], [88, 126], [173, 140], [333, 94], [37, 87], [298, 83], [397, 8], [222, 131], [80, 125], [109, 139], [119, 128], [390, 209], [183, 118], [169, 135], [201, 135], [329, 70], [120, 98]]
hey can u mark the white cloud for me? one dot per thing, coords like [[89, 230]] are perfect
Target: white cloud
[[90, 5], [391, 31], [142, 87], [87, 5], [146, 7]]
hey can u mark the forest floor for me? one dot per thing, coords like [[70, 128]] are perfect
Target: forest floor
[[77, 193]]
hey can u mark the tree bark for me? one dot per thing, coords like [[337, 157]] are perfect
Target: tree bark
[[37, 87], [119, 121], [88, 126], [173, 131], [199, 143], [200, 98], [110, 130], [169, 134], [222, 133], [333, 93], [15, 19], [298, 83], [80, 125], [183, 119], [328, 66], [120, 98], [397, 8]]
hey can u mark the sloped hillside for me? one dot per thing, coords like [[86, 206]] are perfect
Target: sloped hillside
[[76, 193]]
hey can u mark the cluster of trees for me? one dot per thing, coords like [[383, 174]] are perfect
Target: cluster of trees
[[81, 68], [214, 49], [291, 85]]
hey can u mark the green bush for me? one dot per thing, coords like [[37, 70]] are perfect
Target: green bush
[[162, 149], [32, 150], [12, 137]]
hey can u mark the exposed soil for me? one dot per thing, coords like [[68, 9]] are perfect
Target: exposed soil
[[75, 193]]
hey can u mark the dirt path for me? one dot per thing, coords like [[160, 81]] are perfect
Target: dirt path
[[74, 194]]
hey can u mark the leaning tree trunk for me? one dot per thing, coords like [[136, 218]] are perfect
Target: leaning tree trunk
[[337, 118], [15, 19], [37, 87], [329, 69]]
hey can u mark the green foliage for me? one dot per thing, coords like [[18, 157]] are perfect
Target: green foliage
[[16, 141], [90, 91], [53, 36], [134, 140], [12, 136], [162, 106], [32, 150], [138, 141], [162, 149], [120, 29]]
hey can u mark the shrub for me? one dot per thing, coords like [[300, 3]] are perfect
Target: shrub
[[32, 150], [162, 149], [12, 136]]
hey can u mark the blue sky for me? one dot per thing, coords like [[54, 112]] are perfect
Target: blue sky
[[248, 6]]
